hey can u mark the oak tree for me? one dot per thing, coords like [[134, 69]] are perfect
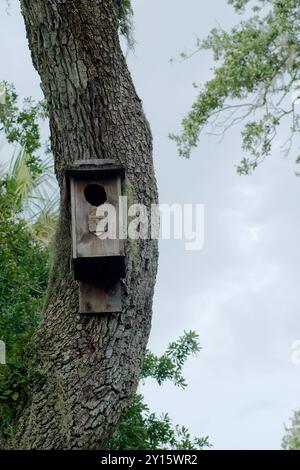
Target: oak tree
[[255, 81], [87, 367]]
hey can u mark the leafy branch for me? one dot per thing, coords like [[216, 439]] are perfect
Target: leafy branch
[[256, 79]]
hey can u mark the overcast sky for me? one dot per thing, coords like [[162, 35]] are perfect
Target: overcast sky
[[240, 293]]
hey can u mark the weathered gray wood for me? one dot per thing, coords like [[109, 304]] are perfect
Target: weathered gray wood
[[85, 242], [97, 294]]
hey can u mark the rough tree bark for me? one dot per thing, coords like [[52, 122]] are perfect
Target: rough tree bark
[[88, 365]]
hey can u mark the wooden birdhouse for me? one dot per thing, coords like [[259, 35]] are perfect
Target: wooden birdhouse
[[97, 242]]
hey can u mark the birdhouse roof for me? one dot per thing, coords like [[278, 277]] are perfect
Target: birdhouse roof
[[97, 167]]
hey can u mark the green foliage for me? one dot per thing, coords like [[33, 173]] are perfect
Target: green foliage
[[142, 429], [169, 366], [24, 258], [21, 126], [23, 182], [125, 16], [23, 280], [291, 440], [255, 79], [239, 5], [30, 178]]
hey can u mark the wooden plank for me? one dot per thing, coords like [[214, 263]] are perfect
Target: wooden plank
[[99, 167], [87, 243], [99, 298]]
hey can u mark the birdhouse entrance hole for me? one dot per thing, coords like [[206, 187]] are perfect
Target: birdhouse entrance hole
[[95, 195], [98, 260]]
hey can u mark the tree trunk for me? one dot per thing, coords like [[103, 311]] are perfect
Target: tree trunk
[[88, 365]]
